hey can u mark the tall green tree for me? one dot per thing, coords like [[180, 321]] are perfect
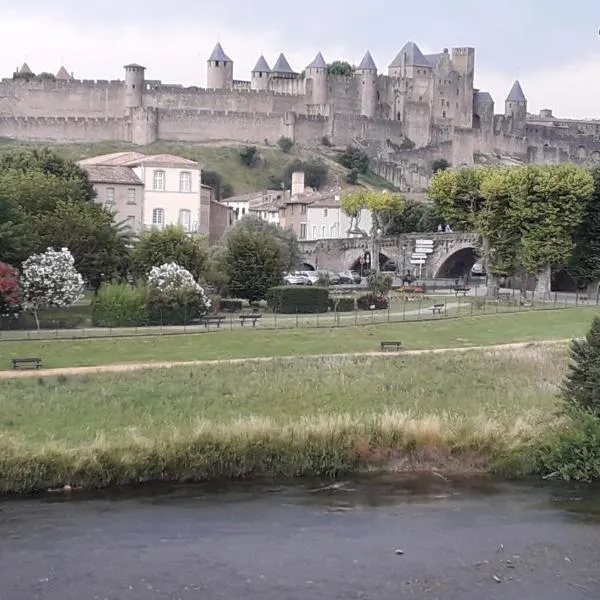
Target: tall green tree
[[14, 243], [254, 264], [172, 244], [340, 68], [418, 217]]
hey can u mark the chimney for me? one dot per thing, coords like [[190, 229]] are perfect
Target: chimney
[[297, 183]]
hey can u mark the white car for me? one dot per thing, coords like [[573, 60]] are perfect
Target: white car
[[296, 279], [311, 276]]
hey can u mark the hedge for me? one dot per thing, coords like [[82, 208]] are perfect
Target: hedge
[[288, 299], [365, 302], [120, 305], [230, 305], [342, 303]]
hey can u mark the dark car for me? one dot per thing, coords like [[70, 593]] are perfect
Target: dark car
[[390, 265], [350, 277]]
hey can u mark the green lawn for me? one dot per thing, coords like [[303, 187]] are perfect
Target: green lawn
[[485, 330]]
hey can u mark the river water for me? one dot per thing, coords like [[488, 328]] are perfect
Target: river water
[[373, 537]]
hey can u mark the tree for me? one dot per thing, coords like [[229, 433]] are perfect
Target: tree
[[10, 291], [290, 251], [441, 164], [352, 177], [418, 217], [170, 245], [99, 246], [457, 197], [581, 388], [379, 283], [254, 264], [50, 279], [340, 68], [14, 232], [354, 158], [285, 144], [49, 162], [584, 265], [314, 169], [248, 155]]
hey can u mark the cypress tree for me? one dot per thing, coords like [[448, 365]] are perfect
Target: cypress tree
[[581, 388]]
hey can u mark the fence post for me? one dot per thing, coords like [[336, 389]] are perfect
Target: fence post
[[317, 318], [356, 316], [275, 317], [404, 309], [296, 317], [419, 309]]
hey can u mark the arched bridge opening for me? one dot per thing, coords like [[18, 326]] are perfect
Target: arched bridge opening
[[459, 265]]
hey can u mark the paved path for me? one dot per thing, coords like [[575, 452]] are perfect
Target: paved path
[[124, 367]]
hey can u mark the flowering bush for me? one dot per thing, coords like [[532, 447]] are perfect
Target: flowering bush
[[10, 291], [175, 296], [50, 279]]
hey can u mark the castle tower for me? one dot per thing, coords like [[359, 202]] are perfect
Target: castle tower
[[515, 107], [463, 61], [316, 72], [134, 85], [260, 75], [367, 71], [219, 70]]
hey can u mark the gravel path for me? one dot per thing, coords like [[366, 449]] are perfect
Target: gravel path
[[125, 367]]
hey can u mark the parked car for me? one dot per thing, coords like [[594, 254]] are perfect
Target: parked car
[[334, 278], [312, 277], [390, 265], [350, 277], [296, 279]]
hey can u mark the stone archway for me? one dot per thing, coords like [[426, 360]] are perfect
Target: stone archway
[[458, 264], [305, 266]]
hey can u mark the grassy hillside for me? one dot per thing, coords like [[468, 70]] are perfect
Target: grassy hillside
[[221, 158]]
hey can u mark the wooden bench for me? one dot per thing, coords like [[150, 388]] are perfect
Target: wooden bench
[[437, 309], [461, 289], [391, 346], [208, 319], [25, 363], [250, 317]]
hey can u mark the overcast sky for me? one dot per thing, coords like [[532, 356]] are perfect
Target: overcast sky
[[551, 46]]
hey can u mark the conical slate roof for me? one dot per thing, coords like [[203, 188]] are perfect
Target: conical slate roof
[[282, 65], [25, 69], [262, 66], [414, 57], [318, 63], [367, 63], [63, 74], [516, 93], [219, 54]]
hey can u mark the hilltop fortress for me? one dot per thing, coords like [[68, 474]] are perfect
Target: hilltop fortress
[[425, 108]]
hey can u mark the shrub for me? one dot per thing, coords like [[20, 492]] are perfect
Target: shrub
[[285, 144], [248, 155], [298, 299], [367, 300], [354, 158], [10, 291], [352, 176], [342, 303], [314, 169], [120, 305], [581, 388], [230, 305], [325, 141], [379, 283]]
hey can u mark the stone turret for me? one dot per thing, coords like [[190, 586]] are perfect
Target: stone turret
[[409, 62], [282, 69], [515, 108], [260, 75], [134, 85], [367, 71], [316, 73], [219, 70]]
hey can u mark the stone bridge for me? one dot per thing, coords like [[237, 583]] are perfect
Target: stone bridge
[[453, 253]]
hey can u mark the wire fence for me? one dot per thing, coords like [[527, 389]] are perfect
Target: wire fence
[[402, 308]]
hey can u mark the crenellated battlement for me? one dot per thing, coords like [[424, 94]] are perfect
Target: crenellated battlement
[[61, 120], [178, 89], [47, 83]]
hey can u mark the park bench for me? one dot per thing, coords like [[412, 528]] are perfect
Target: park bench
[[250, 317], [437, 309], [31, 363], [391, 346], [208, 319], [461, 289]]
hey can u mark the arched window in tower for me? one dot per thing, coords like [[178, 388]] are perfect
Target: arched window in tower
[[444, 114]]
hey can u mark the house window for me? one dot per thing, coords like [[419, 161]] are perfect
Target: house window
[[185, 219], [110, 195], [324, 231], [158, 218], [324, 212], [302, 231], [131, 222], [130, 195], [334, 231], [158, 180], [303, 209], [243, 210], [315, 232], [185, 181]]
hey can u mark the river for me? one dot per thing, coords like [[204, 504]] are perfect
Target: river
[[368, 538]]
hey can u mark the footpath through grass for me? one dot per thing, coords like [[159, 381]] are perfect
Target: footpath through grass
[[285, 418], [447, 333]]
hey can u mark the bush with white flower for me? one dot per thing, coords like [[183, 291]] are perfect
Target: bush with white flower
[[50, 279], [175, 296]]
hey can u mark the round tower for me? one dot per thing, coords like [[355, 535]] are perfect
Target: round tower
[[134, 85], [367, 71], [219, 70], [515, 107], [260, 75], [317, 72]]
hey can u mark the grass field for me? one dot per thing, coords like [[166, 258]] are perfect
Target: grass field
[[467, 331], [285, 418]]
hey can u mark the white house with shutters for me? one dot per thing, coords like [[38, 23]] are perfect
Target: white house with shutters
[[172, 188]]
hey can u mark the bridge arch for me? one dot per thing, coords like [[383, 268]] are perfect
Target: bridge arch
[[306, 266], [458, 264]]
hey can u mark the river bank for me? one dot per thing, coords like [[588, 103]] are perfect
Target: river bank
[[450, 412]]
